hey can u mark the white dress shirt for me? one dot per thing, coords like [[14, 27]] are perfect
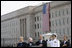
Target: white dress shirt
[[40, 41], [55, 43], [49, 43]]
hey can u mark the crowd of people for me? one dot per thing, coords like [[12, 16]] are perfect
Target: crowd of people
[[51, 42]]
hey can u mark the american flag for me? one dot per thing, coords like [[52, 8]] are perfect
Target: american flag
[[46, 17]]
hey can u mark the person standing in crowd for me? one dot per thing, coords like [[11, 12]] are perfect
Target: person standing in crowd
[[30, 43], [41, 42], [21, 43], [55, 42], [65, 42], [49, 42], [60, 43]]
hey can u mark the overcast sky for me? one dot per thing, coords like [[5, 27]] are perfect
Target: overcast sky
[[9, 6]]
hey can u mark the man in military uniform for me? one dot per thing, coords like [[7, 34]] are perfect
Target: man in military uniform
[[55, 42]]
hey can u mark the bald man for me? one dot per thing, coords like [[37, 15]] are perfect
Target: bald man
[[41, 42]]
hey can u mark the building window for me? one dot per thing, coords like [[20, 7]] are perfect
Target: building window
[[52, 15], [56, 31], [16, 29], [68, 30], [60, 31], [38, 34], [16, 22], [56, 22], [40, 17], [37, 18], [38, 26], [63, 11], [70, 20], [52, 23], [10, 24], [63, 30], [67, 11], [35, 34], [63, 21], [35, 26], [67, 20], [59, 13], [22, 27], [70, 11], [56, 13], [59, 22]]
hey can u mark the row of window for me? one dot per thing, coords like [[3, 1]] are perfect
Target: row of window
[[60, 22], [61, 12], [9, 32], [37, 34], [9, 29], [9, 24], [37, 18], [37, 26], [23, 27], [62, 31]]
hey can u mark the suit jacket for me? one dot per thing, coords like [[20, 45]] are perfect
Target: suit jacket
[[23, 44], [30, 44], [67, 42], [43, 42]]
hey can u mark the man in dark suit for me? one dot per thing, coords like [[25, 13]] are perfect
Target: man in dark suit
[[21, 43], [65, 43], [30, 43], [41, 42]]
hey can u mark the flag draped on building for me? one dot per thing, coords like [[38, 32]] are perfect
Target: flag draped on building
[[46, 17]]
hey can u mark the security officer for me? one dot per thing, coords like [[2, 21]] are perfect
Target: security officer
[[55, 42]]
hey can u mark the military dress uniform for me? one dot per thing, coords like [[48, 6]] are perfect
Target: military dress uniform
[[55, 43]]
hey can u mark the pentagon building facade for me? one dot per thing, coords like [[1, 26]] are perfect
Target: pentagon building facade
[[27, 22]]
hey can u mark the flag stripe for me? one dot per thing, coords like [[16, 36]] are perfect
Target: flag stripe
[[46, 19]]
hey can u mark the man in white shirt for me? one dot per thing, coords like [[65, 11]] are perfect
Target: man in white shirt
[[55, 42], [49, 42]]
